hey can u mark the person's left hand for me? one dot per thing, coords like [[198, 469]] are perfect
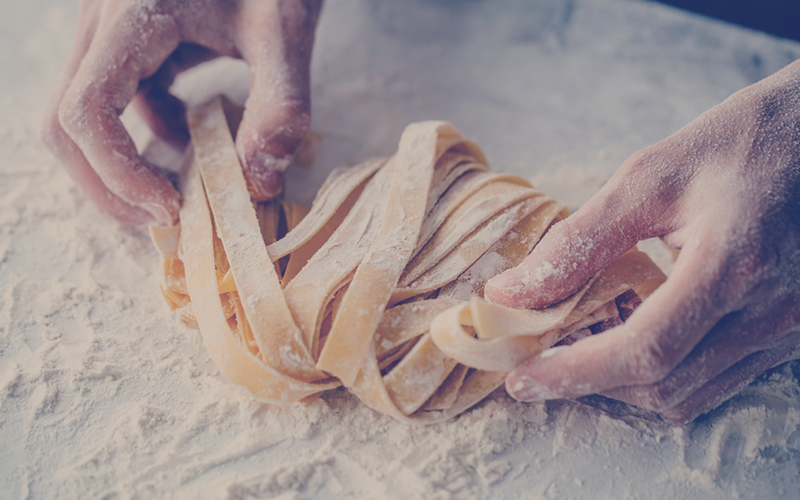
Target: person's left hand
[[129, 52]]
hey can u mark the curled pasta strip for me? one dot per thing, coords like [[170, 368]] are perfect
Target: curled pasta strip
[[377, 286]]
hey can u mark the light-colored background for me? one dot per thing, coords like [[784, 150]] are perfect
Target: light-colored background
[[104, 394]]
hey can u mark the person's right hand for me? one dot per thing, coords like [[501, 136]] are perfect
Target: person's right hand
[[726, 190], [129, 52]]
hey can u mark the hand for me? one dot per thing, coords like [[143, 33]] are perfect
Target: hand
[[725, 190], [129, 52]]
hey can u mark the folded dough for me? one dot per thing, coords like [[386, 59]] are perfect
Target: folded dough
[[377, 287]]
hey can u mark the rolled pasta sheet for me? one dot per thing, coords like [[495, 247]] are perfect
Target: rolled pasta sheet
[[378, 285]]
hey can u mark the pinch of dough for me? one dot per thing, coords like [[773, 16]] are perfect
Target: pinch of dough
[[374, 287]]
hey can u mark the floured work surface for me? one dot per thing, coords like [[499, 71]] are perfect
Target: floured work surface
[[377, 287]]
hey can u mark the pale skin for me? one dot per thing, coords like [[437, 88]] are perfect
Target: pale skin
[[725, 189], [128, 52]]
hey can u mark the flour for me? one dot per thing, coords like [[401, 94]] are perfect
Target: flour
[[104, 393]]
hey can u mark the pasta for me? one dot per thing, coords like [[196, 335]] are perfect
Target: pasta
[[377, 286]]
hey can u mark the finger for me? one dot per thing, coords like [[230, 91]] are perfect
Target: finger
[[60, 144], [125, 49], [733, 338], [731, 381], [164, 113], [570, 253], [723, 347], [659, 334], [632, 206], [276, 42]]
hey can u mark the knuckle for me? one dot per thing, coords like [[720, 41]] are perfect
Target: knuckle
[[569, 237], [561, 264], [71, 114], [296, 121], [561, 231], [644, 164], [51, 132], [277, 130], [656, 171], [640, 160], [766, 104]]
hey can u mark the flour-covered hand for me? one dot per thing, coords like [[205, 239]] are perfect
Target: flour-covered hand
[[725, 190], [129, 52]]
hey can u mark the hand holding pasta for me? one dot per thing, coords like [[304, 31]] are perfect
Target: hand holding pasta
[[129, 52], [725, 190]]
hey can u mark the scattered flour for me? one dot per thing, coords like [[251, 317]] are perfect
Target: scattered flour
[[104, 394]]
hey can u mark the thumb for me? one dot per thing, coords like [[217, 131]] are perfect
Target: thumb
[[571, 252], [278, 111]]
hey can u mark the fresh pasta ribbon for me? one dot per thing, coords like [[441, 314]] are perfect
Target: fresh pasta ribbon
[[493, 337], [377, 286]]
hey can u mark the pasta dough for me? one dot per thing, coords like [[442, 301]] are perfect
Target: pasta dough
[[377, 287]]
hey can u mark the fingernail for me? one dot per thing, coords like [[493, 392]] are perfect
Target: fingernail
[[265, 175], [513, 278], [159, 213], [507, 289], [524, 388]]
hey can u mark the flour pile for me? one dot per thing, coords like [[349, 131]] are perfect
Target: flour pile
[[104, 394]]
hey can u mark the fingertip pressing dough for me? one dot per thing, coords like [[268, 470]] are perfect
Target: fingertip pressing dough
[[378, 285]]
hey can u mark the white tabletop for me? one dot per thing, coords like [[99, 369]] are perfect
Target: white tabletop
[[103, 391]]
